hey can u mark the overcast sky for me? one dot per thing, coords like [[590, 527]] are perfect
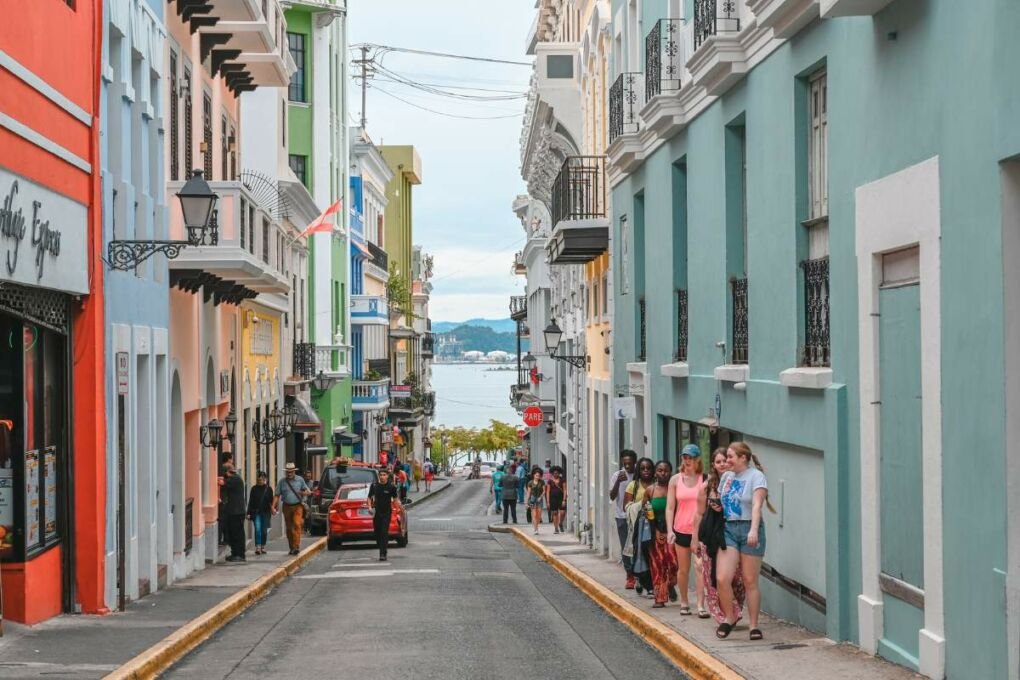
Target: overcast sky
[[470, 168]]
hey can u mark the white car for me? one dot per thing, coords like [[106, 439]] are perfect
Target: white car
[[486, 471]]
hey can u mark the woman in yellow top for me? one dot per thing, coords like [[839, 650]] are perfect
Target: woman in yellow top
[[416, 473]]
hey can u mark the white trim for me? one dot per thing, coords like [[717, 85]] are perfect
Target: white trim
[[45, 89], [733, 373], [806, 378], [901, 210], [679, 369], [44, 143]]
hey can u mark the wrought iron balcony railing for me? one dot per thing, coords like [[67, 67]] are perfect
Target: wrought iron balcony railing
[[579, 190], [518, 307], [712, 17], [428, 403], [816, 312], [741, 346], [681, 325], [642, 330], [304, 360], [379, 256], [624, 103], [665, 56], [428, 344]]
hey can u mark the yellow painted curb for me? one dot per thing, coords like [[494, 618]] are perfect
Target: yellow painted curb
[[681, 652], [159, 657]]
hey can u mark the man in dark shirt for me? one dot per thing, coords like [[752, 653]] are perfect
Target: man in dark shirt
[[380, 498], [235, 507]]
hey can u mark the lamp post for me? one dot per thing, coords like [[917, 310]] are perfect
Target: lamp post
[[553, 334], [198, 202]]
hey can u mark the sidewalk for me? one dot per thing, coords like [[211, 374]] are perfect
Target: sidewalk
[[788, 652], [72, 646]]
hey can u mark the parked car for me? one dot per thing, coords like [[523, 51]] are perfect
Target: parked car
[[486, 471], [334, 477], [350, 518]]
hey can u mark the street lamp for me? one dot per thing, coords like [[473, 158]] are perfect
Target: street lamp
[[198, 201], [529, 361], [231, 422], [211, 434], [275, 426], [322, 382], [553, 334]]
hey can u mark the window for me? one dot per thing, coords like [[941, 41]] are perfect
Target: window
[[71, 3], [251, 229], [298, 164], [595, 298], [175, 160], [207, 124], [296, 44], [244, 221], [379, 228], [605, 295], [283, 128], [223, 150], [265, 240], [188, 133], [232, 143], [816, 347]]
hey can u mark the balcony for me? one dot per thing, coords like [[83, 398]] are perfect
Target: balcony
[[428, 405], [518, 307], [370, 395], [333, 360], [579, 211], [243, 253], [667, 49], [428, 345], [369, 310], [406, 404], [523, 330], [304, 360], [379, 257], [520, 268], [243, 40], [720, 56], [624, 102], [784, 17]]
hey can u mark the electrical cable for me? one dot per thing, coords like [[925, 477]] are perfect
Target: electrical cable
[[396, 77], [446, 55], [443, 113]]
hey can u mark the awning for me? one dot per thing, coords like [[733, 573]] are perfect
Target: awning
[[307, 418], [346, 439]]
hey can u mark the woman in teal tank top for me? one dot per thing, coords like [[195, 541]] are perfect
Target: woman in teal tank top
[[661, 556]]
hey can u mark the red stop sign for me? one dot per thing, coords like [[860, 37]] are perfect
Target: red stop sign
[[533, 416]]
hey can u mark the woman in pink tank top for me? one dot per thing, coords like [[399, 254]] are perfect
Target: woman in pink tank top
[[686, 505]]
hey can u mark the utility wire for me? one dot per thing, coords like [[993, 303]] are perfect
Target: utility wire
[[474, 265], [443, 92], [443, 113], [446, 55]]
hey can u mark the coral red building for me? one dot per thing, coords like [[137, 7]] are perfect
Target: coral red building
[[52, 480]]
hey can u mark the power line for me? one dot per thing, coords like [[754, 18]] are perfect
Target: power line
[[474, 265], [446, 55], [441, 91], [443, 113]]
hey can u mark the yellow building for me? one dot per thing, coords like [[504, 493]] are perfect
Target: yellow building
[[261, 386]]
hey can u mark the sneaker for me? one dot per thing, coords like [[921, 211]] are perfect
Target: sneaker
[[630, 583]]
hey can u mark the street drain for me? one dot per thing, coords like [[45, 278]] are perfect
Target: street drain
[[788, 646]]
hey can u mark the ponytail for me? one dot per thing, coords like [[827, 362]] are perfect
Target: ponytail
[[744, 451]]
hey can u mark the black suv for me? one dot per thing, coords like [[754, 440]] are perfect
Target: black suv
[[333, 477]]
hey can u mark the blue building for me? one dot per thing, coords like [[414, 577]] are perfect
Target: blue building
[[137, 300], [831, 189]]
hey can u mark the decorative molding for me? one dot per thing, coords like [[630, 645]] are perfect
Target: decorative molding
[[45, 89]]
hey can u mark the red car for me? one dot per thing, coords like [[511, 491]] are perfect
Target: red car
[[350, 518]]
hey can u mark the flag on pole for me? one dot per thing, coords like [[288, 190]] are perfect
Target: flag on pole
[[319, 224]]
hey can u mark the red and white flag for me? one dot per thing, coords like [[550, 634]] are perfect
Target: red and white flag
[[319, 224]]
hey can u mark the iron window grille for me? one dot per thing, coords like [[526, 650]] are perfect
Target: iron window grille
[[304, 360], [175, 160], [207, 135], [681, 324], [251, 229], [265, 240], [740, 338], [664, 58], [816, 312], [244, 222], [623, 105], [712, 17], [579, 190], [642, 330], [189, 138], [224, 168]]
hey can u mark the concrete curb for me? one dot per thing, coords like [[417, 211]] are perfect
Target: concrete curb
[[678, 650], [172, 648], [415, 503]]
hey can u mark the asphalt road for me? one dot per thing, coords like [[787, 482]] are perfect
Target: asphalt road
[[457, 603]]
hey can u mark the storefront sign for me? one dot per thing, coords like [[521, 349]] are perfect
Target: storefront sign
[[50, 480], [42, 236], [6, 511], [33, 521]]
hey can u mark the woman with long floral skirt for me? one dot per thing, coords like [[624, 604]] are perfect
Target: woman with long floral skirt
[[661, 556]]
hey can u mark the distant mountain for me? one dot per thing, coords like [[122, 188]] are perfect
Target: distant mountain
[[464, 338], [498, 325]]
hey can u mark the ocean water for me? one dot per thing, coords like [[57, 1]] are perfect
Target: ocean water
[[470, 395]]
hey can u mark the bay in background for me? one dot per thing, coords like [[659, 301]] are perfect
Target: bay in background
[[470, 395]]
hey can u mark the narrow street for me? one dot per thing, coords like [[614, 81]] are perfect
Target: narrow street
[[458, 602]]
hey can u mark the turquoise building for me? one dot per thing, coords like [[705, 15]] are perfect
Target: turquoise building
[[831, 191]]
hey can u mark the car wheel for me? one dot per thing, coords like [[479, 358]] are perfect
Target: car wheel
[[333, 543]]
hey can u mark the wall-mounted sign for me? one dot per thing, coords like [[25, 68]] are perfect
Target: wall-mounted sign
[[625, 407], [122, 372], [42, 236]]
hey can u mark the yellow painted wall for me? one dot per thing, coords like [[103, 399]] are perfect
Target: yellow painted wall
[[597, 334], [252, 363]]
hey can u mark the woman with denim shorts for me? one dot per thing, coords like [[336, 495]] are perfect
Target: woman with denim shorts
[[743, 490]]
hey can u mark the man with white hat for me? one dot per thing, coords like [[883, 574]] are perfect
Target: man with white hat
[[291, 491]]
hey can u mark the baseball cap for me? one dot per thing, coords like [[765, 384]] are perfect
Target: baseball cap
[[691, 450]]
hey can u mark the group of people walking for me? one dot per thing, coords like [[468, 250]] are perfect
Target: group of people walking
[[712, 521], [544, 488]]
